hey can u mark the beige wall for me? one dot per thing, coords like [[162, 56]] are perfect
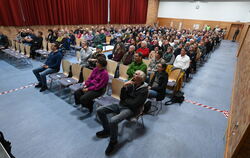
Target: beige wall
[[152, 14]]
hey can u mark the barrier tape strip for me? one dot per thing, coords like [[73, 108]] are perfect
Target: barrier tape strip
[[16, 89], [224, 112]]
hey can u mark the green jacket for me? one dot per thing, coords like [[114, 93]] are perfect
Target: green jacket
[[136, 66]]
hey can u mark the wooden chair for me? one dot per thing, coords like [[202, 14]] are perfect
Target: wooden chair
[[22, 49], [78, 56], [66, 71], [111, 67], [76, 70], [175, 79], [146, 61], [27, 50], [123, 72]]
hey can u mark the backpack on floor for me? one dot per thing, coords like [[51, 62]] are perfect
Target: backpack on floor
[[6, 144], [178, 97]]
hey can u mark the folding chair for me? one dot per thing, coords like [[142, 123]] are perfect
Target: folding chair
[[146, 61], [76, 70], [123, 72], [22, 49], [27, 50], [66, 70], [111, 67]]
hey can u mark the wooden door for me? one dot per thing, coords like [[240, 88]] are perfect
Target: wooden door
[[232, 31]]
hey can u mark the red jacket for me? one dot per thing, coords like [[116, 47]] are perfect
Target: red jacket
[[145, 51]]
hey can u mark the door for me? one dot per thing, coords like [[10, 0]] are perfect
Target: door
[[232, 30]]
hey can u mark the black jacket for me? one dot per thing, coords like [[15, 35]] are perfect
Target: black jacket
[[133, 97], [162, 85], [4, 42]]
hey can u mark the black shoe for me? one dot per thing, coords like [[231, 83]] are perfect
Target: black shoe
[[90, 109], [102, 134], [110, 147], [43, 88], [39, 85]]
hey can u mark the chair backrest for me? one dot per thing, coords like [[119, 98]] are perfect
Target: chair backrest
[[45, 44], [111, 67], [22, 49], [13, 44], [78, 56], [66, 67], [123, 72], [76, 70], [108, 39], [86, 73], [174, 74], [116, 88], [27, 49], [17, 46], [146, 61], [49, 46], [168, 69], [78, 41]]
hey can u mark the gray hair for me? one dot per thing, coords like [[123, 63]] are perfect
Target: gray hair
[[142, 74], [144, 42]]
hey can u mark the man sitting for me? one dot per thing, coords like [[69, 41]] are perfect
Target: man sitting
[[133, 95], [4, 43], [138, 64], [51, 65], [85, 53], [152, 67], [128, 57], [182, 61], [92, 60], [158, 84]]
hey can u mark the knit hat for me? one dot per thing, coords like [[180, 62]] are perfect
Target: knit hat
[[99, 46]]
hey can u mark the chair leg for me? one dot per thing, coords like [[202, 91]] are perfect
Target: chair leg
[[142, 121]]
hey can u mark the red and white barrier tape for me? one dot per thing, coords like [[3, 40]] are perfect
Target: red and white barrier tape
[[16, 89], [224, 112]]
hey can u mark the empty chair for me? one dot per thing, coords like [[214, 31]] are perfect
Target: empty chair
[[27, 50], [66, 70], [85, 74], [111, 67], [22, 49], [175, 79], [146, 61], [115, 96], [78, 56], [76, 70], [123, 72], [13, 45]]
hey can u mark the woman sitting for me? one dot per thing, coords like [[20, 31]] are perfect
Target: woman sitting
[[157, 85], [94, 87], [119, 52]]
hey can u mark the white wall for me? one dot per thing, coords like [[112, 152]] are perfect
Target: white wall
[[216, 11]]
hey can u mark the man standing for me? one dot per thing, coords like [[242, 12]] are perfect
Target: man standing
[[236, 34], [133, 95], [51, 65]]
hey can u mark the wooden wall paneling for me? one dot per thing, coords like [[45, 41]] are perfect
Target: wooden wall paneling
[[242, 37], [232, 30], [239, 120]]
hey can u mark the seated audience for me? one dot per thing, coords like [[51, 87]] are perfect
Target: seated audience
[[144, 50], [152, 53], [119, 52], [51, 65], [37, 43], [133, 95], [158, 83], [92, 60], [94, 87], [128, 57], [85, 53], [4, 42], [152, 67], [138, 64], [169, 56], [182, 61]]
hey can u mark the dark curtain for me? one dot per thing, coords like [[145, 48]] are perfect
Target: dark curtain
[[10, 13], [128, 11], [53, 12]]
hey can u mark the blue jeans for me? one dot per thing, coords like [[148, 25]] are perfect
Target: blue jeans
[[111, 126], [41, 73], [152, 94]]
